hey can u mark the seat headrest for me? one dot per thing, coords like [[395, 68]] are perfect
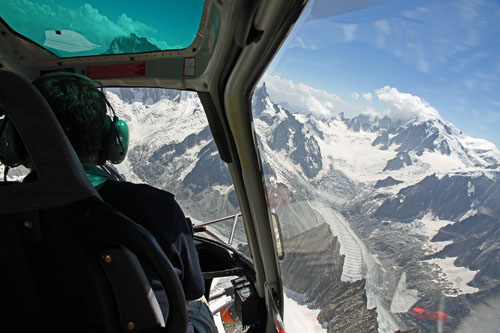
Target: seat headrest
[[61, 179]]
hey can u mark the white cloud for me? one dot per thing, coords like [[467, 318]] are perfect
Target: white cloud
[[469, 11], [423, 65], [349, 31], [384, 30], [470, 84], [318, 108], [370, 112], [418, 50], [301, 41], [383, 26], [302, 98], [380, 40], [409, 14], [86, 20], [405, 106], [367, 96], [128, 24], [329, 104]]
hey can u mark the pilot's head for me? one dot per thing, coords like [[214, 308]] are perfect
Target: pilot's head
[[80, 108]]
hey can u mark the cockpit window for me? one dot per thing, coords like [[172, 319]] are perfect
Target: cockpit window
[[172, 148], [71, 28], [377, 124]]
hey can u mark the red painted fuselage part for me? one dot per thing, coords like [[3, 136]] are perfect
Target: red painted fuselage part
[[226, 316], [422, 313]]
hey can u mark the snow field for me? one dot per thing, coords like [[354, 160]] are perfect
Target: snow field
[[456, 277], [298, 317], [429, 226], [449, 275]]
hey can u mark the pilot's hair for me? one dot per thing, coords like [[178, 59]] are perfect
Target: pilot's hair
[[80, 108]]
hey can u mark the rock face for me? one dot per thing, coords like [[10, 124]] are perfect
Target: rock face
[[314, 253], [448, 197], [313, 266], [476, 246], [346, 310], [475, 238], [290, 135], [389, 181], [401, 160]]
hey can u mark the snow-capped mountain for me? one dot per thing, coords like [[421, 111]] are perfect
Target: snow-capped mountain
[[409, 178], [171, 147], [422, 196], [130, 44], [436, 135]]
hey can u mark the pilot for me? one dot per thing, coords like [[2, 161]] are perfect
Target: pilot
[[81, 109]]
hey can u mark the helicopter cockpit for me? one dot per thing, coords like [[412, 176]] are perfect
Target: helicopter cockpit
[[214, 48], [369, 127]]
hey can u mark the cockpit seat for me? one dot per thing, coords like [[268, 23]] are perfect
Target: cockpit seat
[[69, 262]]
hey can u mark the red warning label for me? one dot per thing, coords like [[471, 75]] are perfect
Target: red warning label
[[116, 71]]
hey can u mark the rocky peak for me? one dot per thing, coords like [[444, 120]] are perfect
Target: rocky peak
[[130, 44], [148, 96], [261, 92], [389, 181], [370, 123], [401, 160], [362, 122]]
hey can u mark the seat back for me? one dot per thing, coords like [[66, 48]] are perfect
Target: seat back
[[58, 240], [51, 281]]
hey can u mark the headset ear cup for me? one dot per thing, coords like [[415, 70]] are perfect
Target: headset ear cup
[[12, 151], [118, 137], [103, 154]]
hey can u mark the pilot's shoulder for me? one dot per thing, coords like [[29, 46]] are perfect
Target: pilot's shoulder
[[143, 191]]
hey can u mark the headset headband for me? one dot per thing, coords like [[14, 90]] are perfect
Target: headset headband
[[67, 75]]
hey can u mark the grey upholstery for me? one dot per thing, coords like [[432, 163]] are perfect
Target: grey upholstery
[[61, 177]]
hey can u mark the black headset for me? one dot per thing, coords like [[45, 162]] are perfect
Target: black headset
[[115, 139], [12, 151]]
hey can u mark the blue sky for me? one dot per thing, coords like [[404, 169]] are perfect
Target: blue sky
[[445, 52]]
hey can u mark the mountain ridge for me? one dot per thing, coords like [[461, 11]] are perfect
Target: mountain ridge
[[130, 44], [386, 176]]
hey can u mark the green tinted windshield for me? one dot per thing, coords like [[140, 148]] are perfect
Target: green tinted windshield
[[71, 28]]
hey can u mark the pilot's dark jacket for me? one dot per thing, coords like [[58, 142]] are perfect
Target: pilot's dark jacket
[[157, 211]]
